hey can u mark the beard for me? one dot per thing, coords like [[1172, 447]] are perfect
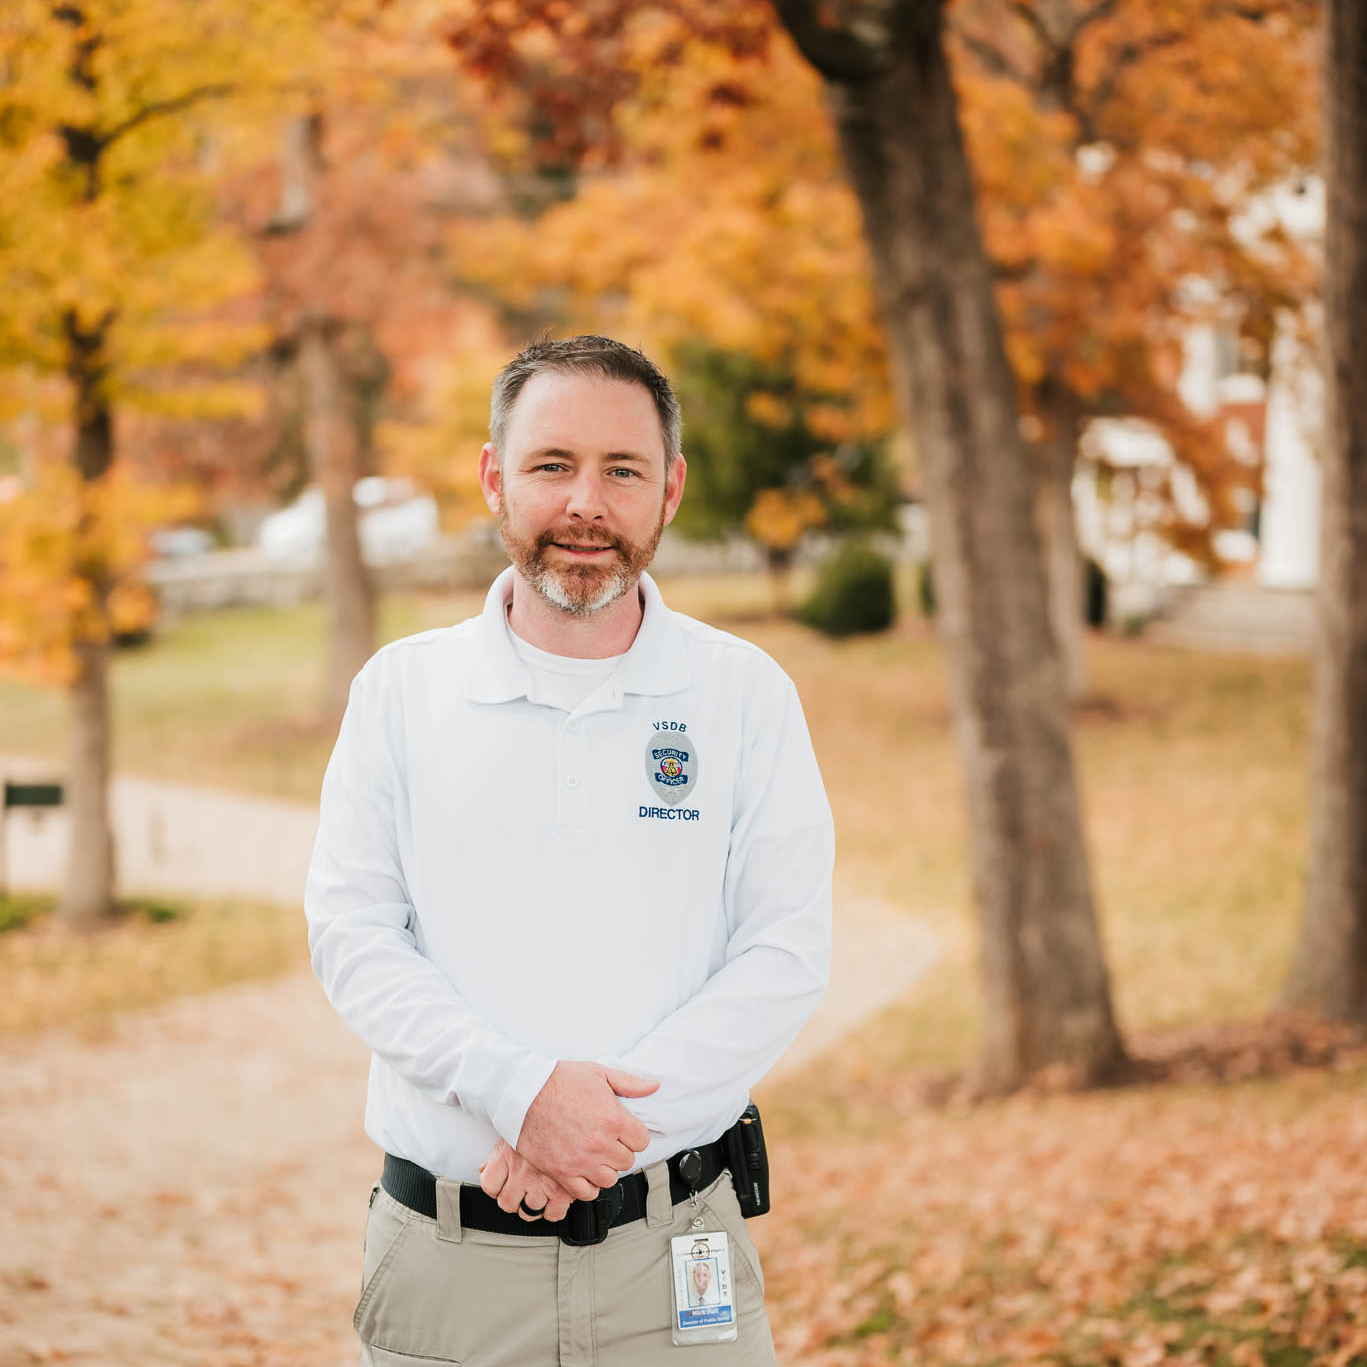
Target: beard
[[578, 590]]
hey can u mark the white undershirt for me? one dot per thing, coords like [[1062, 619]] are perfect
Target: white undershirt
[[562, 681]]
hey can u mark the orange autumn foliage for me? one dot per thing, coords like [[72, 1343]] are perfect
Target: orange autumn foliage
[[347, 219], [1121, 153], [1117, 149], [119, 284], [51, 536], [780, 516], [726, 217]]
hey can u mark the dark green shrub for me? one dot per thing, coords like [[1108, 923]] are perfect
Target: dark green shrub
[[152, 909], [1097, 587], [925, 589], [17, 909], [853, 593]]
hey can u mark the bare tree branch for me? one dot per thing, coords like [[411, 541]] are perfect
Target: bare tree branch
[[835, 52], [1102, 10], [1031, 16], [1104, 90], [992, 58], [156, 108], [1003, 274]]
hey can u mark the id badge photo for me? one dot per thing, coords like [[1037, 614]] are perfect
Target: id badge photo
[[704, 1297]]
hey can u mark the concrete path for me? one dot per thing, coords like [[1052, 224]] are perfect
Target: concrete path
[[189, 1189], [174, 837]]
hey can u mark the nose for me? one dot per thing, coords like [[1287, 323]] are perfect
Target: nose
[[585, 496]]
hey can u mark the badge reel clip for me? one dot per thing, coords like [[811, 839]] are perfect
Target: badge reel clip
[[690, 1169], [700, 1270]]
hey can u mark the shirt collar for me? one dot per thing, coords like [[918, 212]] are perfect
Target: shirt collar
[[655, 663]]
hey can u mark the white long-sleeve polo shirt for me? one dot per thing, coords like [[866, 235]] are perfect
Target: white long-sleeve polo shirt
[[498, 884]]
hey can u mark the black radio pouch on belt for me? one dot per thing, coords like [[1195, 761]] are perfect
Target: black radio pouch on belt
[[749, 1162]]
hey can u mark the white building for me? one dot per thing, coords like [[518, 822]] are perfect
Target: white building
[[1277, 424]]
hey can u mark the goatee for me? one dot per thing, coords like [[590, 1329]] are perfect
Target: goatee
[[579, 590]]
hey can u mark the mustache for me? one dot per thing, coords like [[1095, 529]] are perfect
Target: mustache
[[571, 539]]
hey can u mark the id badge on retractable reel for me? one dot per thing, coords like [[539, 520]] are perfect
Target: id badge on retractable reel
[[704, 1295]]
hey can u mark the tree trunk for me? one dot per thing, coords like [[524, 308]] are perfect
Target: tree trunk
[[88, 890], [331, 433], [1047, 990], [1329, 973], [1056, 456], [778, 562], [334, 455]]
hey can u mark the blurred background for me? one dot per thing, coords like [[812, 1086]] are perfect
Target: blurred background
[[1000, 330]]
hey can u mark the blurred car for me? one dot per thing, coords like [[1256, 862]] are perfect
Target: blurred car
[[397, 521]]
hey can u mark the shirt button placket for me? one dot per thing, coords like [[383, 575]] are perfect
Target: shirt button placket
[[571, 790]]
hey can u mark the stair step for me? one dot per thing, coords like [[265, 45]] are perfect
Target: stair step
[[1237, 617]]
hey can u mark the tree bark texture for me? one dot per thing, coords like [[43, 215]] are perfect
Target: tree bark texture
[[1329, 972], [88, 890], [1047, 990], [1056, 456], [87, 896], [334, 455], [331, 433]]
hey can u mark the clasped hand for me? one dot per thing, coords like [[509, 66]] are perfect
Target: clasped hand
[[576, 1138]]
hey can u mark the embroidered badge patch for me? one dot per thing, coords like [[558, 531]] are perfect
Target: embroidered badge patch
[[671, 766]]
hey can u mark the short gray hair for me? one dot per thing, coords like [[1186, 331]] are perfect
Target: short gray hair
[[586, 355]]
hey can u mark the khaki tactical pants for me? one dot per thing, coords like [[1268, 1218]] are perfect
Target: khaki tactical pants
[[433, 1292]]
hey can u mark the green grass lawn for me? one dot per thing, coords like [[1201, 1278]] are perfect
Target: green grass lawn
[[227, 698]]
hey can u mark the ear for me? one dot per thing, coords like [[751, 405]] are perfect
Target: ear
[[674, 487], [491, 478]]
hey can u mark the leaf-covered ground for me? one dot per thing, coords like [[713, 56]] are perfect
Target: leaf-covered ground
[[1213, 1223], [188, 1190]]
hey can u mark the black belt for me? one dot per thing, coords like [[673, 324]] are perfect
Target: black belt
[[586, 1222]]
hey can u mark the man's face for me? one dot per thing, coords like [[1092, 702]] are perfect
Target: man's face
[[580, 491], [702, 1275]]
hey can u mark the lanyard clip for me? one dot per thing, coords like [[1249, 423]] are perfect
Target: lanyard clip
[[689, 1164], [689, 1167]]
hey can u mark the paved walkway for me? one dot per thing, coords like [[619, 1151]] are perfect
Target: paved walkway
[[189, 1189], [175, 837]]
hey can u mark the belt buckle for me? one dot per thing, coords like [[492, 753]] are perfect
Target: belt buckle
[[587, 1222]]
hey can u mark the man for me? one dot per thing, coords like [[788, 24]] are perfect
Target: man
[[701, 1282], [572, 887]]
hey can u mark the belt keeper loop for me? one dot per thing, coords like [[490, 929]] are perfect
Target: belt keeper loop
[[659, 1204], [448, 1210]]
